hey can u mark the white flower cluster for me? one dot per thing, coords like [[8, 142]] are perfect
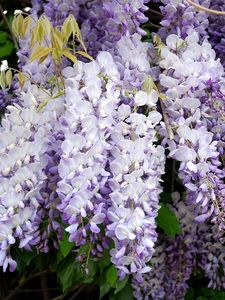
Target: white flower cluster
[[136, 165], [24, 141], [188, 66]]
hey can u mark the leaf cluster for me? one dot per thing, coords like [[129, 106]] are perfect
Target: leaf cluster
[[47, 39], [5, 78]]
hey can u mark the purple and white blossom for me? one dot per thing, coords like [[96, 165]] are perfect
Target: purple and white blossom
[[216, 29], [173, 261], [24, 140], [88, 121], [136, 165], [179, 17], [186, 71], [87, 157]]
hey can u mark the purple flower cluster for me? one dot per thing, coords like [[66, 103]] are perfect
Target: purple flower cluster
[[172, 263], [5, 98], [120, 18], [174, 260], [216, 30], [193, 145], [93, 156], [84, 147], [136, 166], [59, 10], [110, 168], [179, 17], [24, 141], [88, 121]]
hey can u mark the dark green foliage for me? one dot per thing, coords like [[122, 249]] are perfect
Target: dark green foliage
[[167, 221]]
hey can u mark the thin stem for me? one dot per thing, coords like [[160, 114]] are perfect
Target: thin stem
[[77, 293], [56, 65], [205, 9], [155, 11], [154, 25], [9, 27], [38, 290], [88, 257], [44, 283], [64, 295]]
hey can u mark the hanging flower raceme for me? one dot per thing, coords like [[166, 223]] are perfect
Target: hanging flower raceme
[[179, 17], [24, 140], [173, 260], [82, 153], [124, 141], [216, 29], [136, 163], [90, 103], [136, 166], [30, 153], [193, 145]]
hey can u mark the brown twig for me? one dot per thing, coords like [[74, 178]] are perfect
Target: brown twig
[[205, 9], [21, 284], [155, 12], [38, 290], [9, 27], [44, 286], [44, 282], [77, 292], [154, 25], [63, 296]]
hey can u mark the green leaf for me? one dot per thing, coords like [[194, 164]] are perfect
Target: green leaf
[[2, 80], [104, 289], [8, 77], [59, 256], [40, 52], [22, 257], [70, 56], [85, 54], [190, 295], [219, 296], [68, 272], [205, 291], [28, 256], [168, 221], [65, 246], [84, 249], [3, 37], [90, 270], [104, 262], [125, 294], [121, 284], [6, 49], [111, 275]]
